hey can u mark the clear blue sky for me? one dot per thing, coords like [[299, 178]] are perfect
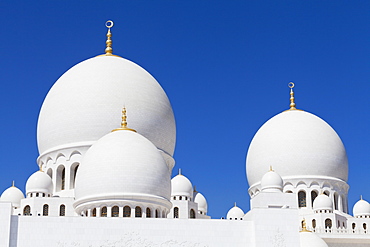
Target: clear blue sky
[[225, 66]]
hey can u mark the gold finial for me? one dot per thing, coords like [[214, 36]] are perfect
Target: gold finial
[[109, 50], [271, 170], [361, 197], [292, 103], [124, 122], [41, 169], [304, 228], [195, 189], [234, 204], [13, 184]]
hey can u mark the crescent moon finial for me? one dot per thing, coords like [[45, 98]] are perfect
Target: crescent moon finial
[[292, 103], [109, 24], [109, 49]]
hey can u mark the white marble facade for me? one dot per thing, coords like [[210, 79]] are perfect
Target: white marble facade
[[100, 188]]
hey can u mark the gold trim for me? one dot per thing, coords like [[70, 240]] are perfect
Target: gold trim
[[304, 228], [292, 102], [108, 49], [124, 122]]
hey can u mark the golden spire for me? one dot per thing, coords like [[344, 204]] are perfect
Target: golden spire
[[234, 204], [124, 122], [271, 170], [180, 171], [195, 189], [13, 184], [361, 197], [109, 50], [292, 103], [304, 228]]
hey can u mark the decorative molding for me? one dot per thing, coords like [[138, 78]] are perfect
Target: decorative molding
[[132, 239]]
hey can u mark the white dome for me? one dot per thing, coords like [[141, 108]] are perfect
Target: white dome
[[361, 208], [123, 165], [271, 182], [310, 239], [322, 202], [13, 195], [296, 143], [181, 186], [235, 213], [82, 106], [39, 182], [201, 201]]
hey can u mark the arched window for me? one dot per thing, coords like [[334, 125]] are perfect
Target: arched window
[[50, 173], [164, 214], [115, 211], [313, 223], [326, 193], [73, 172], [27, 210], [353, 226], [364, 226], [62, 210], [328, 223], [180, 198], [45, 210], [288, 191], [344, 204], [148, 213], [313, 196], [192, 214], [103, 212], [156, 213], [126, 211], [336, 201], [137, 212], [302, 199], [37, 194], [94, 212], [176, 212], [63, 184]]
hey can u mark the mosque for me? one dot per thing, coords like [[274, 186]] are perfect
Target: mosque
[[104, 175]]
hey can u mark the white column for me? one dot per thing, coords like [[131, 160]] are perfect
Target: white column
[[109, 211]]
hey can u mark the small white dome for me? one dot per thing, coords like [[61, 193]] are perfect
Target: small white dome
[[123, 165], [181, 186], [235, 213], [83, 104], [361, 208], [296, 143], [271, 182], [39, 182], [13, 195], [201, 201], [310, 239], [322, 202]]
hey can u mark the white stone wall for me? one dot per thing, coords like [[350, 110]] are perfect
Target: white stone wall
[[104, 232], [5, 218]]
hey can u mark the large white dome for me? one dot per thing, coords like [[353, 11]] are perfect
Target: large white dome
[[296, 143], [123, 166], [83, 105]]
